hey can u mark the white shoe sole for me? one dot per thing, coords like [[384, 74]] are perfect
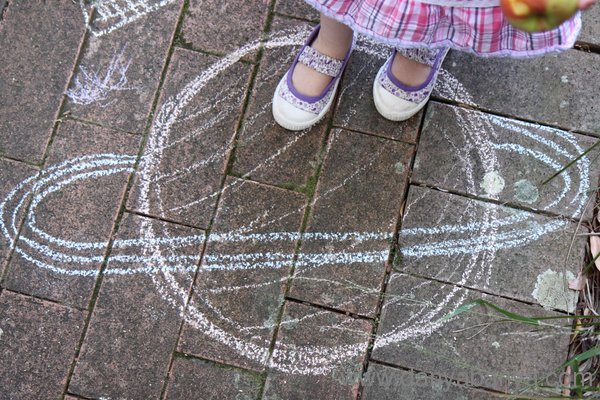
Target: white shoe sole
[[279, 114], [394, 111]]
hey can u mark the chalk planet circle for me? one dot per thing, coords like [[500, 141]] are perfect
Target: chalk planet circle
[[286, 358]]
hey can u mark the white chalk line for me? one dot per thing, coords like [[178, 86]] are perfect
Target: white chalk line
[[120, 17], [583, 165], [566, 177], [221, 152]]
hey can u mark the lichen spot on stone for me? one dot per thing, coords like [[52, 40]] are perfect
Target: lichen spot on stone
[[399, 168], [526, 192], [492, 183], [552, 291]]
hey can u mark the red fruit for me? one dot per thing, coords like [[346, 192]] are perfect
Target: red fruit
[[519, 9], [538, 15]]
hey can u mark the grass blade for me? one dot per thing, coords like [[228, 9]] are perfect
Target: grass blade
[[579, 157], [579, 358], [511, 315]]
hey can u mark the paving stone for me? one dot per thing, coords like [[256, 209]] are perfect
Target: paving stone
[[38, 341], [35, 72], [239, 291], [359, 193], [356, 109], [318, 355], [265, 151], [119, 71], [506, 160], [556, 89], [81, 211], [223, 26], [135, 324], [385, 383], [474, 347], [590, 32], [182, 167], [198, 379], [498, 249], [12, 173], [296, 8]]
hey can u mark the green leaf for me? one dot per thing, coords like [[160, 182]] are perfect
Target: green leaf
[[579, 358], [468, 306]]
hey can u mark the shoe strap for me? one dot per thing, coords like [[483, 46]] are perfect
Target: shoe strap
[[320, 62], [421, 55]]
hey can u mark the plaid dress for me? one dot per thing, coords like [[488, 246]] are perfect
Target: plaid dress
[[476, 26]]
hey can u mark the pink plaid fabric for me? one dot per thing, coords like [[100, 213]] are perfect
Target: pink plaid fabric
[[480, 30]]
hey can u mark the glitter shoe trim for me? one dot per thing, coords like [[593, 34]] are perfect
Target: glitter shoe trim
[[420, 55], [320, 62]]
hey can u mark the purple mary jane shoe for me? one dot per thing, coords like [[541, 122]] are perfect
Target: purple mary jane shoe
[[295, 111], [397, 101]]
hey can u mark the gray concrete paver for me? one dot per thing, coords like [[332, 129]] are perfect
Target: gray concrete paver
[[38, 341], [222, 27], [240, 288], [473, 347], [183, 164], [315, 336], [133, 330], [359, 192], [590, 31], [296, 8], [13, 174], [555, 89], [80, 192], [505, 160], [382, 382], [193, 378], [493, 248], [119, 71], [35, 73]]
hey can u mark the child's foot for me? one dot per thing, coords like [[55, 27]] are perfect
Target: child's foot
[[409, 72], [306, 92], [310, 82], [405, 82]]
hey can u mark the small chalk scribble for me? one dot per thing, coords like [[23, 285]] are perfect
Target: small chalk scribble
[[114, 14], [95, 86]]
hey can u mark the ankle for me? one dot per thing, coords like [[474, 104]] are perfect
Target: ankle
[[334, 38], [409, 72], [333, 47]]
